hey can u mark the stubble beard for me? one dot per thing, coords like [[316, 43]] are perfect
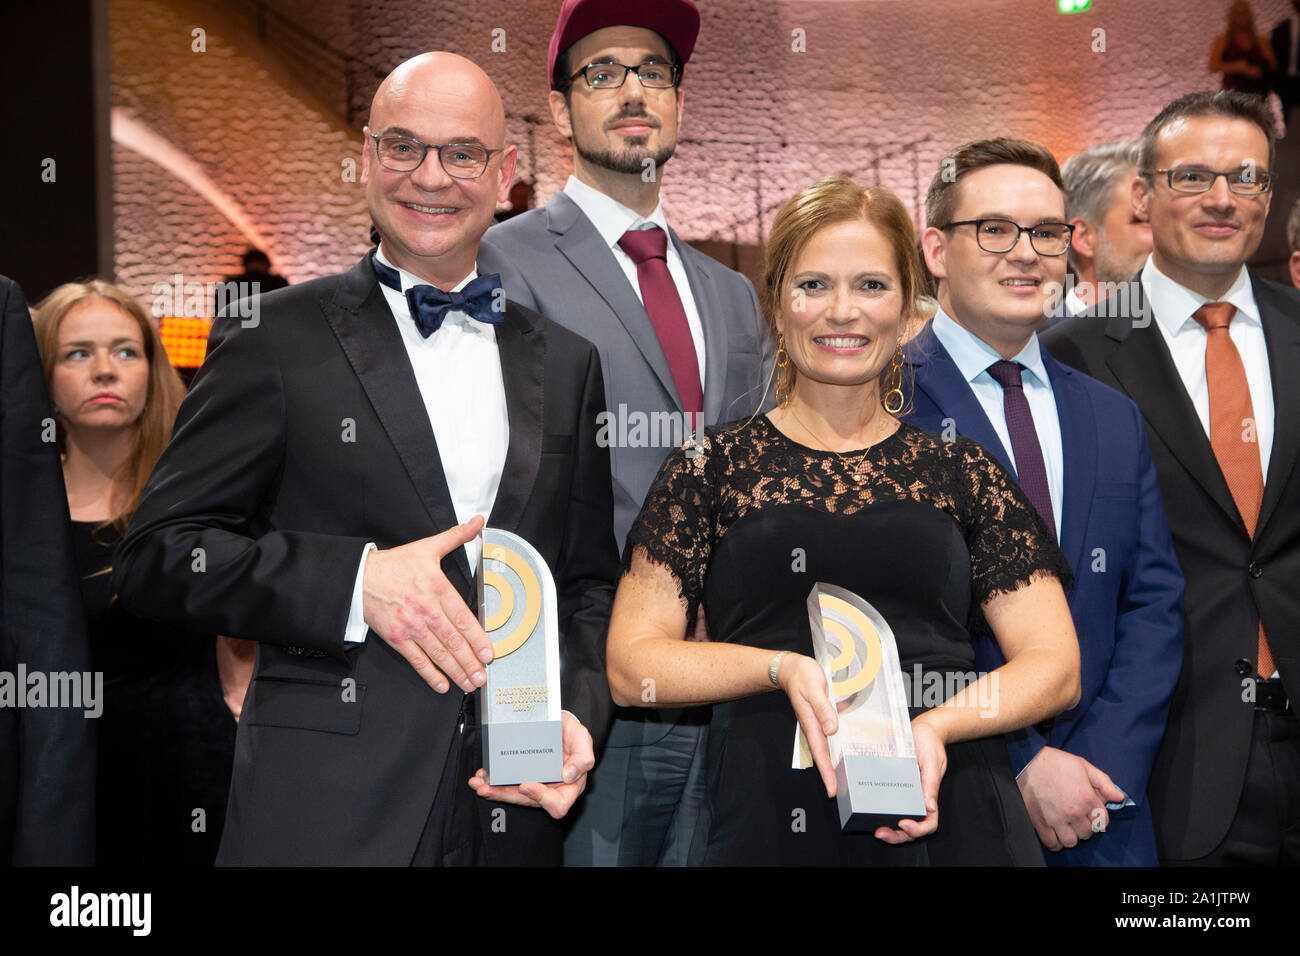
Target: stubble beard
[[630, 161]]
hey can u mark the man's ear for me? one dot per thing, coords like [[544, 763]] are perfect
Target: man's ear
[[933, 249], [509, 160], [681, 100], [1084, 238], [1295, 269], [1139, 197], [365, 154], [560, 113]]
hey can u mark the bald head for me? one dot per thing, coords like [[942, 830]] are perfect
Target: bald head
[[431, 217], [441, 76]]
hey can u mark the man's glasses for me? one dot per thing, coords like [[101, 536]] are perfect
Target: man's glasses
[[1001, 235], [1244, 180], [610, 76], [403, 154]]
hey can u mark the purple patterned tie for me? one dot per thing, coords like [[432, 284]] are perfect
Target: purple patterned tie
[[1024, 439]]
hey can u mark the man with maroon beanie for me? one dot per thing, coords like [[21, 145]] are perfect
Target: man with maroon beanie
[[680, 343]]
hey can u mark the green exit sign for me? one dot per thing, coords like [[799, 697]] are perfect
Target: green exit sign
[[1072, 6]]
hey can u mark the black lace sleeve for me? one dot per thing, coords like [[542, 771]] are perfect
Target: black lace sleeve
[[1008, 541], [675, 527]]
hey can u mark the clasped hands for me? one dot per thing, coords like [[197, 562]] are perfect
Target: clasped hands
[[408, 601], [802, 679]]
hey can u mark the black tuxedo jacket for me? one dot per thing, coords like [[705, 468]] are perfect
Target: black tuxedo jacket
[[1232, 580], [301, 439], [47, 754]]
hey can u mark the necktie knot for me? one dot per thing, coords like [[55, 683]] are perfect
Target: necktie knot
[[1215, 315], [645, 244], [1007, 374]]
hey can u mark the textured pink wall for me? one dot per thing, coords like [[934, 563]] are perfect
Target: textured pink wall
[[883, 89]]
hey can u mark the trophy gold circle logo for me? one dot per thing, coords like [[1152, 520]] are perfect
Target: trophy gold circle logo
[[858, 641], [531, 599]]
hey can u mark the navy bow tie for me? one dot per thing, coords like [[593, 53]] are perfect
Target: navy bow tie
[[482, 299]]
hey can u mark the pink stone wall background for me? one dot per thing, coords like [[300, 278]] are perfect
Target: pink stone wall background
[[882, 91]]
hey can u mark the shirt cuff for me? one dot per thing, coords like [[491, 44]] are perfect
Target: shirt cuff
[[355, 633]]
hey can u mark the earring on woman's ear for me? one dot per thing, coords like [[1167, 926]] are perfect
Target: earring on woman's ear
[[893, 401], [782, 372]]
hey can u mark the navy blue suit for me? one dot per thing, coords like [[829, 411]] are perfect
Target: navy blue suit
[[1127, 599]]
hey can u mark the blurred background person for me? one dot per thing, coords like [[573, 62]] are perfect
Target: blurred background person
[[1286, 54], [257, 268], [952, 546], [167, 733], [1243, 56], [47, 754], [1109, 243]]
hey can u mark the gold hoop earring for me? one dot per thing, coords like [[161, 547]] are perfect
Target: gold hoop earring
[[783, 375], [893, 401]]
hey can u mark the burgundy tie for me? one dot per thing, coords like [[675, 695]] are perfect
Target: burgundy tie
[[648, 248], [1024, 439]]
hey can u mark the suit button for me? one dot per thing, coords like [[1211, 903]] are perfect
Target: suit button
[[1244, 666], [1254, 570]]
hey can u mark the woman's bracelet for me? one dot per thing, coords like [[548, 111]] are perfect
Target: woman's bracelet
[[774, 666]]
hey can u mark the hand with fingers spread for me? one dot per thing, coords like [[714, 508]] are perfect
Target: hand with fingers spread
[[932, 757], [1066, 797], [554, 798], [804, 682], [409, 602]]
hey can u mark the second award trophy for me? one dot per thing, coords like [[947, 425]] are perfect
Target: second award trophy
[[519, 706]]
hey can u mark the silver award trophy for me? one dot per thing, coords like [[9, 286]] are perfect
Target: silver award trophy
[[519, 706], [879, 781]]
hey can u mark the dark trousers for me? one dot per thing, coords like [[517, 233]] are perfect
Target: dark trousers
[[1266, 828]]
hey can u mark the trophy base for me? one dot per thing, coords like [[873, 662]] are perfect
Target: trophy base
[[530, 751], [883, 791]]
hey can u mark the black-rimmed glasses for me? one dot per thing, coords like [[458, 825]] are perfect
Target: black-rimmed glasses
[[404, 154], [1244, 180], [1001, 235], [610, 76]]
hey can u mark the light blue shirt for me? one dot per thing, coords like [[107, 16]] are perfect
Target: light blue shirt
[[973, 356]]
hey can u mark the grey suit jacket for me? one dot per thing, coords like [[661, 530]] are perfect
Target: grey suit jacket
[[553, 260]]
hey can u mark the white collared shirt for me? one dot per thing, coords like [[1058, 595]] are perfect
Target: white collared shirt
[[611, 219], [458, 371], [973, 356], [1174, 306]]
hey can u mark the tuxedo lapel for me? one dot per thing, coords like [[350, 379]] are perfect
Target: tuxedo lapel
[[522, 347], [582, 245], [1282, 335], [369, 337], [1144, 368], [939, 378], [1079, 448], [713, 319]]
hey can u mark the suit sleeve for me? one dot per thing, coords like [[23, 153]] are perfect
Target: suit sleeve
[[47, 754], [200, 549], [1125, 724], [588, 568]]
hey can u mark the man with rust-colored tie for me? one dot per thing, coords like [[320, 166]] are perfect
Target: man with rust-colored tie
[[1209, 352], [997, 243], [679, 337]]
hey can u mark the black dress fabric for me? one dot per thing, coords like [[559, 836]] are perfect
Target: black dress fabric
[[166, 737], [748, 523]]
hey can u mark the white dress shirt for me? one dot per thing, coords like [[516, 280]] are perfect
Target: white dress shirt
[[1174, 306], [972, 357], [458, 371], [611, 219]]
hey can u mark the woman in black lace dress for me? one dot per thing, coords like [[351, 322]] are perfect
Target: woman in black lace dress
[[831, 487]]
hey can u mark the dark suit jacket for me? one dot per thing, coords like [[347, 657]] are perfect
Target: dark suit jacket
[[1232, 580], [303, 438], [47, 754], [1127, 598]]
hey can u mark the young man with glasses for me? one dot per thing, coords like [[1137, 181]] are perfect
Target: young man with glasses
[[323, 491], [680, 341], [1209, 351], [996, 243]]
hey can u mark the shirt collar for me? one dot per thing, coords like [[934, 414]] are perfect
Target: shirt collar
[[972, 355], [409, 279], [610, 217], [1174, 304]]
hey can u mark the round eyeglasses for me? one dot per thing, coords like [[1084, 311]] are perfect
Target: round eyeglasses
[[404, 154], [1001, 235]]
